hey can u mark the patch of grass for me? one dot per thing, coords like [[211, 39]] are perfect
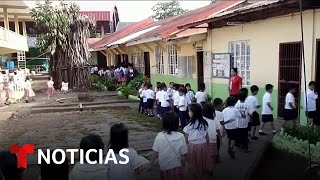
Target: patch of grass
[[151, 123]]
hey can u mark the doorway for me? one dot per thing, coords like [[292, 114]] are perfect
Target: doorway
[[289, 73], [317, 78], [147, 64], [200, 75]]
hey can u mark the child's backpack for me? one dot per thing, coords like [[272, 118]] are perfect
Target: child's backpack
[[121, 72]]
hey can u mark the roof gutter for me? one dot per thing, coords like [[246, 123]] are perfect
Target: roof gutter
[[141, 41]]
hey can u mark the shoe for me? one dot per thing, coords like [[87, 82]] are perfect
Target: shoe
[[254, 138], [262, 133], [151, 115]]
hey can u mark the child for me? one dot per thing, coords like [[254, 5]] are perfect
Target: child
[[156, 89], [88, 171], [8, 166], [158, 103], [170, 89], [183, 106], [190, 93], [311, 105], [290, 108], [201, 95], [218, 106], [171, 149], [253, 104], [213, 133], [140, 96], [50, 90], [28, 92], [119, 135], [230, 117], [55, 171], [197, 138], [9, 87], [164, 100], [149, 95], [243, 121], [144, 99], [267, 109], [175, 98]]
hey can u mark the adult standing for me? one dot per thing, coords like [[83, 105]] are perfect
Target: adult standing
[[235, 83]]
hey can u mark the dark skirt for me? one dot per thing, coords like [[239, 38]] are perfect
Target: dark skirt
[[290, 114], [267, 118], [232, 134], [150, 103], [255, 119]]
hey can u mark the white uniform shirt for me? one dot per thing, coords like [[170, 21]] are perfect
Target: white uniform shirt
[[214, 125], [265, 100], [171, 148], [196, 136], [201, 96], [231, 113], [252, 102], [143, 93], [183, 103], [149, 94], [170, 92], [219, 118], [289, 99], [164, 98], [244, 117], [311, 98], [175, 98], [50, 84], [190, 95]]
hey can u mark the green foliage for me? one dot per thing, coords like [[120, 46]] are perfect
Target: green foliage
[[302, 133], [111, 83], [132, 87], [95, 79], [101, 84], [167, 9]]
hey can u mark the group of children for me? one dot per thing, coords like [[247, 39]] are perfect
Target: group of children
[[122, 73]]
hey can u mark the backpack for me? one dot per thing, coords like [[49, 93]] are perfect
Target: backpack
[[121, 72]]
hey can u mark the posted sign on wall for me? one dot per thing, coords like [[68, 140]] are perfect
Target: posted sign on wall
[[221, 65]]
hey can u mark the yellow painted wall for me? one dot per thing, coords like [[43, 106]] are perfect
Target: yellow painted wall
[[264, 37]]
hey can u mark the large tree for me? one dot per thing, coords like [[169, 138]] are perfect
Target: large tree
[[164, 10], [63, 32]]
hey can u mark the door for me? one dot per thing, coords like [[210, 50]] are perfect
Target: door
[[318, 76], [289, 72], [147, 64], [200, 75]]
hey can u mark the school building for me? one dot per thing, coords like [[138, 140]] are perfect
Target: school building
[[261, 38]]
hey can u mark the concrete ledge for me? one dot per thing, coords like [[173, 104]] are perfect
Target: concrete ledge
[[76, 109], [85, 104]]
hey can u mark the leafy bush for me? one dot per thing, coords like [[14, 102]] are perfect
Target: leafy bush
[[132, 87], [111, 83], [99, 86], [95, 79], [302, 133]]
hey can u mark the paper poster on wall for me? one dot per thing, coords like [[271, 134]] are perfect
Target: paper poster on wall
[[221, 64]]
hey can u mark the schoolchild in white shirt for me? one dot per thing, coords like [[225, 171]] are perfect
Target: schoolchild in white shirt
[[158, 103], [243, 121], [230, 117], [190, 93], [183, 106], [214, 134], [218, 107], [201, 95], [267, 114], [290, 107], [149, 95], [253, 104], [140, 95], [170, 148], [164, 100], [311, 105], [175, 98], [197, 136], [170, 90]]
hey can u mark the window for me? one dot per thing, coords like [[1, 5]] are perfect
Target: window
[[240, 55], [173, 60], [159, 60], [138, 60], [185, 67]]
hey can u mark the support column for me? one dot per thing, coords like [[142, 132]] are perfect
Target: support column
[[6, 18], [16, 24], [24, 28]]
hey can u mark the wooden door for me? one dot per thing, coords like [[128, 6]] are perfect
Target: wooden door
[[289, 72], [200, 74], [147, 64]]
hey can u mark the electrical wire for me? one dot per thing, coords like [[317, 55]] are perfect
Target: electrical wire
[[305, 79]]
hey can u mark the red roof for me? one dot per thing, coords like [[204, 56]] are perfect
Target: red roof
[[97, 15], [170, 25], [122, 33]]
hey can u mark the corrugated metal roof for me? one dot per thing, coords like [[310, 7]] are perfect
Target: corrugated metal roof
[[97, 15], [170, 26], [122, 25], [122, 33]]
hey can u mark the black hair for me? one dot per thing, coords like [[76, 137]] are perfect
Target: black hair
[[119, 137], [188, 84], [170, 122], [3, 72], [172, 83], [8, 166], [163, 85], [202, 87], [292, 86], [158, 83], [231, 101], [245, 90], [55, 171], [176, 86], [149, 85], [269, 87], [183, 90], [27, 78], [208, 110], [15, 73], [312, 83], [235, 70], [217, 102], [242, 96], [49, 78], [92, 142], [196, 109], [254, 88]]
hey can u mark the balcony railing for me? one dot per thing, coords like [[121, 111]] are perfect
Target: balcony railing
[[11, 42]]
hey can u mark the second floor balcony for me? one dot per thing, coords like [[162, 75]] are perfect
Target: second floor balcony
[[11, 42]]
